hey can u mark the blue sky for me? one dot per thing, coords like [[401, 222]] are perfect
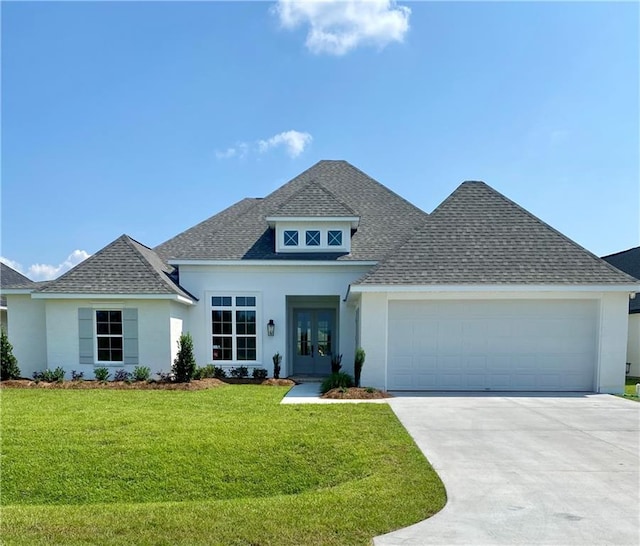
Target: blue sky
[[146, 118]]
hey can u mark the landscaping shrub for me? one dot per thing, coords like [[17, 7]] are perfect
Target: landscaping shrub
[[219, 373], [141, 373], [9, 368], [205, 372], [358, 363], [166, 377], [259, 373], [240, 371], [184, 365], [336, 363], [50, 376], [77, 376], [101, 374], [277, 359], [336, 381], [122, 375]]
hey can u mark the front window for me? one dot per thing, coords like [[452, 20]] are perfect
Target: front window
[[313, 238], [109, 336], [290, 238], [334, 237], [233, 326]]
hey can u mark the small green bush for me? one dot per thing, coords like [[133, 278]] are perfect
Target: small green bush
[[240, 371], [77, 376], [358, 363], [101, 374], [122, 375], [277, 359], [141, 373], [219, 373], [50, 376], [336, 363], [205, 372], [9, 364], [259, 373], [336, 381], [184, 365]]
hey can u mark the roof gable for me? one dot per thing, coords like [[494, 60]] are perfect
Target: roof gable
[[125, 266], [478, 236], [385, 219], [313, 200]]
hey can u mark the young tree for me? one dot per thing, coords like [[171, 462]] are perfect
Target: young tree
[[358, 363], [184, 366], [9, 368]]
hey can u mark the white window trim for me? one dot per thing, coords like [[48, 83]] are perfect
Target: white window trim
[[107, 363], [259, 327]]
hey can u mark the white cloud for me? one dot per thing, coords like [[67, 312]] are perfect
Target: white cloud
[[338, 26], [294, 143], [46, 272]]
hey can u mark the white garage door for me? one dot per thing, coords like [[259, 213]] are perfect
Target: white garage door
[[515, 345]]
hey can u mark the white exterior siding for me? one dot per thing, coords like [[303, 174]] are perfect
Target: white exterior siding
[[604, 314], [271, 284], [177, 326], [26, 331], [62, 335], [633, 344]]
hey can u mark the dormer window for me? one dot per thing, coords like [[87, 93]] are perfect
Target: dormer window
[[334, 237], [291, 238], [313, 237]]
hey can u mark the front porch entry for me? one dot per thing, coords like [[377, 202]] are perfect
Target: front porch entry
[[313, 336]]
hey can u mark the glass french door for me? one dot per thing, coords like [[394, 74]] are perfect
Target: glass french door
[[314, 339]]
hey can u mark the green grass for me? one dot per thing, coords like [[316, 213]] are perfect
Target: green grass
[[222, 466], [630, 388]]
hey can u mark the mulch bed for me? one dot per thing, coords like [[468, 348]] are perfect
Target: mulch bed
[[196, 385], [356, 393]]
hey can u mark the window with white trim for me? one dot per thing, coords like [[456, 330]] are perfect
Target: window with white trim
[[233, 328], [334, 237], [109, 336], [290, 238]]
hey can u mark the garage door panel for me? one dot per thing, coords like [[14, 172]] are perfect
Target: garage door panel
[[496, 345]]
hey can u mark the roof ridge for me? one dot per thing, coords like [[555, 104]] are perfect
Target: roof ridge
[[305, 187]]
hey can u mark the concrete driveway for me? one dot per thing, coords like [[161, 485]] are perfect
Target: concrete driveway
[[527, 469]]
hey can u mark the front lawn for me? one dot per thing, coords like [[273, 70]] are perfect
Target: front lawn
[[223, 466]]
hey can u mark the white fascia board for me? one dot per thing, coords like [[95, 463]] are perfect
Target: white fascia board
[[354, 220], [362, 288], [6, 291], [275, 263], [94, 296]]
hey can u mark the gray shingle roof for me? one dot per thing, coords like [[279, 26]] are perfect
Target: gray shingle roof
[[10, 278], [313, 200], [478, 236], [125, 266], [629, 262], [243, 233]]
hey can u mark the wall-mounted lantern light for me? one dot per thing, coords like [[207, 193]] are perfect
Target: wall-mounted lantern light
[[628, 367], [271, 327]]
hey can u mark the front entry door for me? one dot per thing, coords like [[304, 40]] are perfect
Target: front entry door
[[314, 340]]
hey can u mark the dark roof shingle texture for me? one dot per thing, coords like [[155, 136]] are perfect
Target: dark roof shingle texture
[[123, 267], [478, 236], [629, 262], [313, 200], [10, 278], [243, 233]]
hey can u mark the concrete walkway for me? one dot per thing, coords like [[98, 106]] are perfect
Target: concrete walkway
[[538, 469], [309, 393]]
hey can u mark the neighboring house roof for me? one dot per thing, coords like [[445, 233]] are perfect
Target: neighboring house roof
[[478, 236], [123, 267], [629, 262], [242, 232]]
